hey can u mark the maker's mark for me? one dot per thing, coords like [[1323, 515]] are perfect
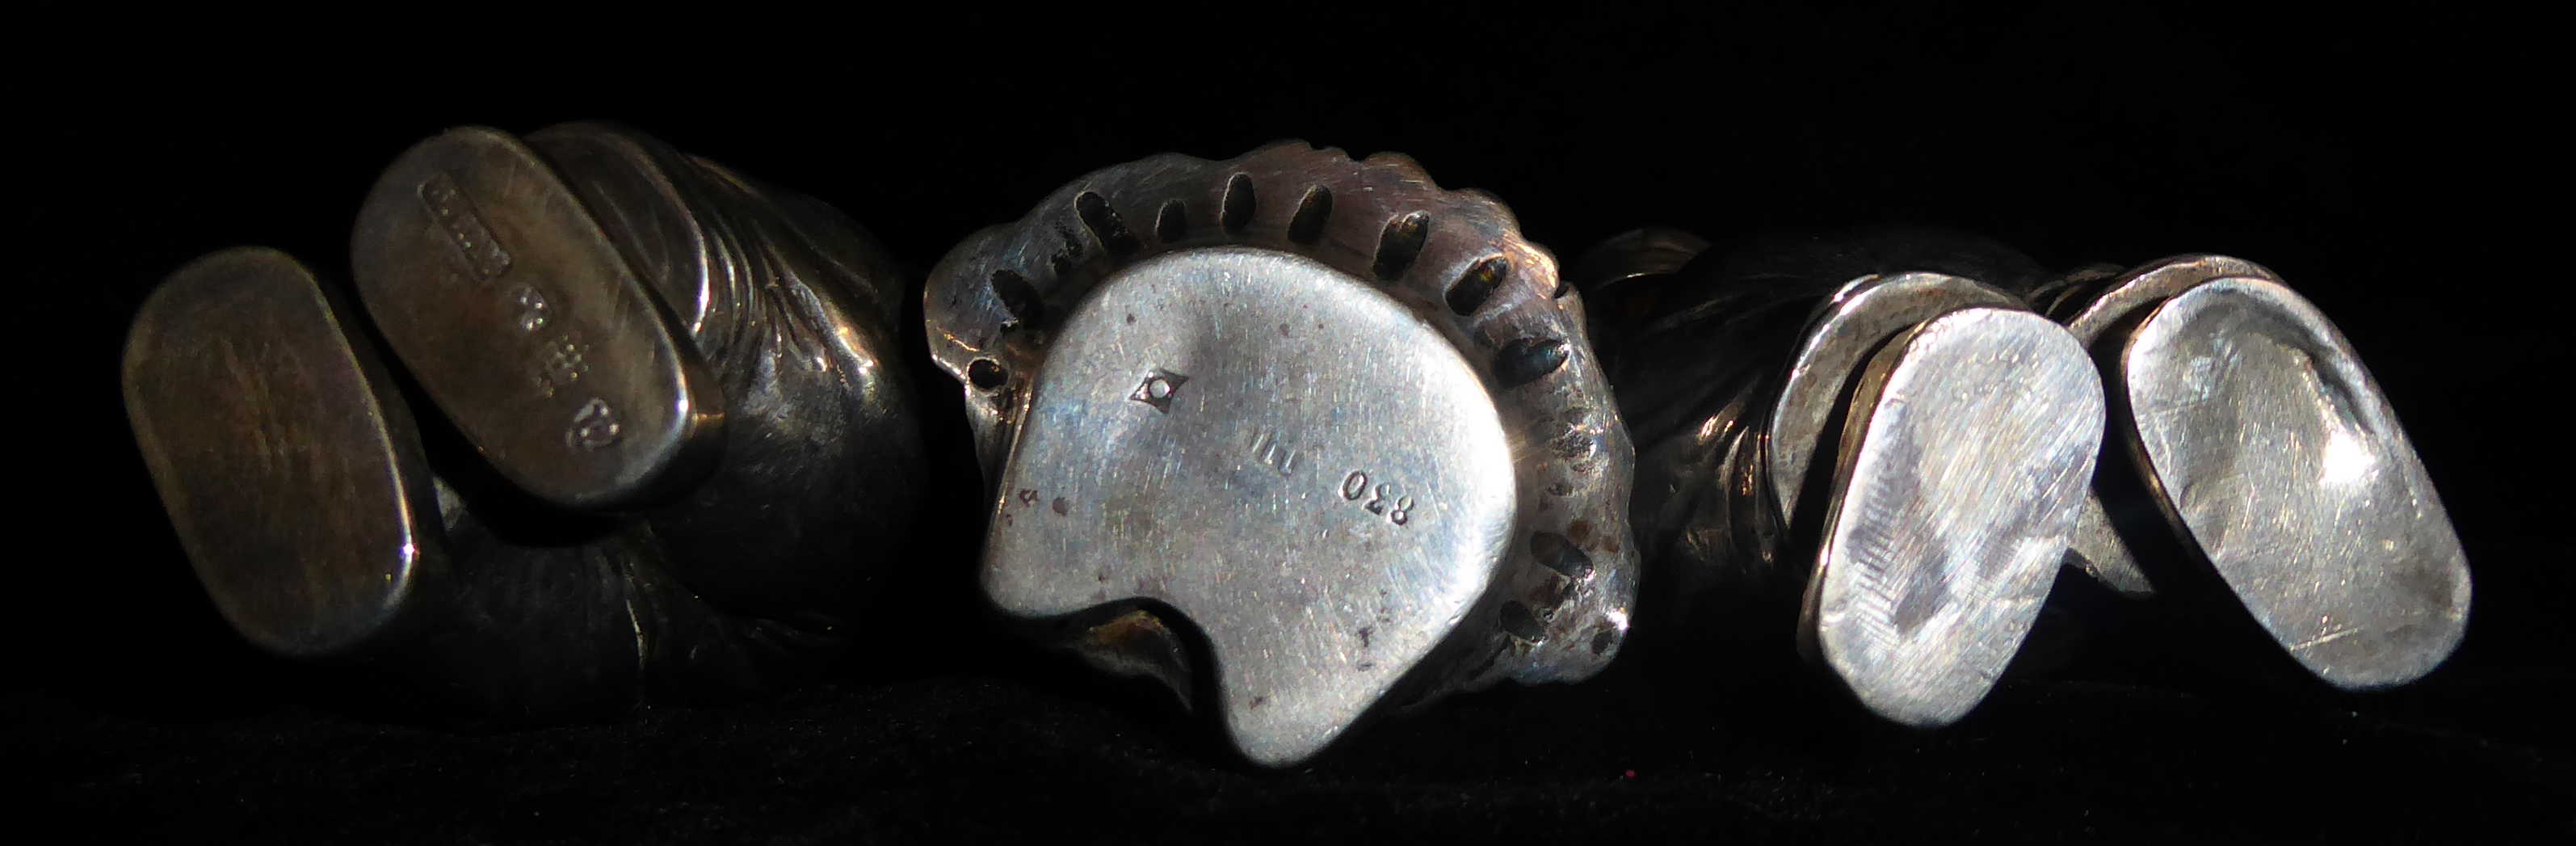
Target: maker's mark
[[1157, 388], [477, 250]]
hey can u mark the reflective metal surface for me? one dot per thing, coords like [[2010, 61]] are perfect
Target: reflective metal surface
[[1970, 445], [1345, 423], [1962, 431], [2091, 301], [729, 552], [242, 376], [1847, 327], [791, 307], [1642, 252], [1267, 498], [2262, 445], [497, 289], [2270, 444]]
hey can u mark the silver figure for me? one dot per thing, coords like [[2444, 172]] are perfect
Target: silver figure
[[684, 440], [1344, 424], [1860, 429], [2245, 427]]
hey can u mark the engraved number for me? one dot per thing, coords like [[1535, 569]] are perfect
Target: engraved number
[[1385, 499]]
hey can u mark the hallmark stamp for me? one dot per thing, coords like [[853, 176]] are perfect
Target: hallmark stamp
[[1157, 388], [476, 249], [534, 311], [1274, 453], [593, 427], [559, 364], [1384, 499]]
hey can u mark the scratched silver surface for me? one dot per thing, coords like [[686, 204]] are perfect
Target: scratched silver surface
[[243, 378], [1286, 457], [2091, 302], [1963, 465], [2267, 440], [1847, 327], [1949, 500], [1553, 602]]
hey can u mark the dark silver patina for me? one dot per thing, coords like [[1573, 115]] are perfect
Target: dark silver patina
[[683, 441]]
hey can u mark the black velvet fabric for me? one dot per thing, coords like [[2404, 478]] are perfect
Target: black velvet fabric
[[2399, 169]]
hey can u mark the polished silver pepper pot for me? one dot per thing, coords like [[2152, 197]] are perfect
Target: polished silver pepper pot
[[1306, 438], [608, 425]]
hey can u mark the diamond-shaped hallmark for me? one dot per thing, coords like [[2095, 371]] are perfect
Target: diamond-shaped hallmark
[[1157, 387]]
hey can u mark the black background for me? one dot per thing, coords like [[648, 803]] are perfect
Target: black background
[[2402, 171]]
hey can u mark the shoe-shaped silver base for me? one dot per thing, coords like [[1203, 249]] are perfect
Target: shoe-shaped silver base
[[1343, 421], [2264, 439], [1288, 458], [285, 459]]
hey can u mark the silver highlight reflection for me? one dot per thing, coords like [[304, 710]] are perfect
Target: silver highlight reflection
[[1342, 423]]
